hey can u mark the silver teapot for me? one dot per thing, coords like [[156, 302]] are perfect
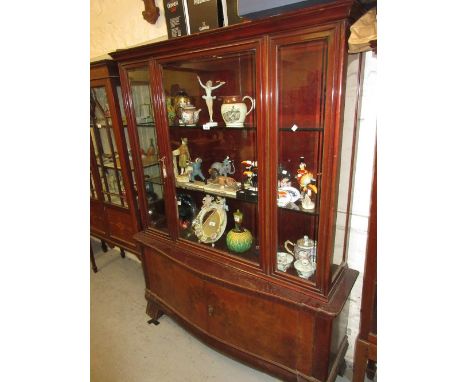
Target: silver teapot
[[304, 249]]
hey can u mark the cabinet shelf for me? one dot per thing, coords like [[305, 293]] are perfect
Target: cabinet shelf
[[299, 209], [309, 129], [219, 127], [210, 189], [147, 162]]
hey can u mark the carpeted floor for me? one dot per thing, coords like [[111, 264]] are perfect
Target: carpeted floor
[[124, 348]]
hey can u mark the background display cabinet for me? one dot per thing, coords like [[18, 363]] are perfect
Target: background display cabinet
[[246, 203], [113, 203]]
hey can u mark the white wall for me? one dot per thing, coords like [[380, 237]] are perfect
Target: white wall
[[118, 24], [361, 193]]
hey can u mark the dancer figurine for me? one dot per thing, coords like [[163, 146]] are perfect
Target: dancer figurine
[[209, 98]]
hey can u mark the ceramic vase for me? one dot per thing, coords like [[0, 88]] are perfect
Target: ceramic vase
[[239, 239]]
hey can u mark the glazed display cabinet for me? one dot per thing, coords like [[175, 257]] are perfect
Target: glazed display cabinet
[[114, 217], [245, 207]]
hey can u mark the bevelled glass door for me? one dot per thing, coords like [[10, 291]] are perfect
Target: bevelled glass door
[[147, 145], [211, 116], [105, 149]]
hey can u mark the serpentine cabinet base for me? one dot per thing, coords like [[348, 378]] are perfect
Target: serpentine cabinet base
[[292, 338]]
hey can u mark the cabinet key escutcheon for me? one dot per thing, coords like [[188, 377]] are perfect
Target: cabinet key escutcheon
[[210, 310]]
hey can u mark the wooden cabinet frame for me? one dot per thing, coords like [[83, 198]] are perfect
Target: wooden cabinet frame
[[317, 311]]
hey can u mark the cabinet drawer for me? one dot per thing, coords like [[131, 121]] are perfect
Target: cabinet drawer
[[257, 325], [178, 288]]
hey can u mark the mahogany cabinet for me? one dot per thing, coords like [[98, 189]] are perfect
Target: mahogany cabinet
[[245, 207], [113, 204]]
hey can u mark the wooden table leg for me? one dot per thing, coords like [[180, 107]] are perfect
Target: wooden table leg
[[122, 253], [93, 262]]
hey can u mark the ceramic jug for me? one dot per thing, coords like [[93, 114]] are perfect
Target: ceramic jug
[[304, 249], [234, 110]]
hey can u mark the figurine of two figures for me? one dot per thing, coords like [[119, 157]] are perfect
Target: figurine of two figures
[[188, 169]]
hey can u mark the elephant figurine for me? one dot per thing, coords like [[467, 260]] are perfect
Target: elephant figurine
[[224, 169]]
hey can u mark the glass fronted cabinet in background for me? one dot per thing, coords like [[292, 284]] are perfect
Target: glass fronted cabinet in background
[[244, 169], [113, 203]]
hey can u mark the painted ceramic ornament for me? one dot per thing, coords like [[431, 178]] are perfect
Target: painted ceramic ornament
[[209, 98], [189, 114], [239, 239], [283, 261], [304, 268], [224, 169], [304, 248], [180, 100], [195, 170], [210, 223], [251, 173], [171, 114], [234, 110]]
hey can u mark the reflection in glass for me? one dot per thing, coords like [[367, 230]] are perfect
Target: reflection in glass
[[300, 121], [148, 147], [105, 149], [216, 170]]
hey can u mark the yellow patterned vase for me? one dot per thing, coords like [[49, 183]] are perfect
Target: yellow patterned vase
[[239, 239]]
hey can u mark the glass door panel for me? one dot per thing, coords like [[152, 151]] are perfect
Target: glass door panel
[[210, 108], [148, 147], [300, 119], [107, 157]]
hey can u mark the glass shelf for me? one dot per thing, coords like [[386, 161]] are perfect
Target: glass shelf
[[293, 207], [213, 189], [220, 126], [309, 129]]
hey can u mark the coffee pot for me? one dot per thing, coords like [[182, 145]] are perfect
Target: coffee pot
[[305, 248]]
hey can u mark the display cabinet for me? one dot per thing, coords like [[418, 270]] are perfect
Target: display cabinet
[[114, 217], [245, 211]]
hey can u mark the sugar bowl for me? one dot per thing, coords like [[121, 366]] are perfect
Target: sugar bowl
[[304, 268]]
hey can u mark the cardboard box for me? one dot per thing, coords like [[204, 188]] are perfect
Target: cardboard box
[[176, 21], [230, 15], [203, 15]]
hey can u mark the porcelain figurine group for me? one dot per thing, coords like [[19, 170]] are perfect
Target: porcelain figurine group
[[288, 195]]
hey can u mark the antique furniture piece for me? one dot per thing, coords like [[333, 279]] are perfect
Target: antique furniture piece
[[365, 353], [295, 67], [114, 217]]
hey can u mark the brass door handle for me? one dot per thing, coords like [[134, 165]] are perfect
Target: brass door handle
[[210, 310]]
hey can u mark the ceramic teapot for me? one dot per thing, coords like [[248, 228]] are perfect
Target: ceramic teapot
[[234, 110], [189, 114], [304, 249]]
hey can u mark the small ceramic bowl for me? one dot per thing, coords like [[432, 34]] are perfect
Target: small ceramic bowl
[[283, 261], [304, 268]]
